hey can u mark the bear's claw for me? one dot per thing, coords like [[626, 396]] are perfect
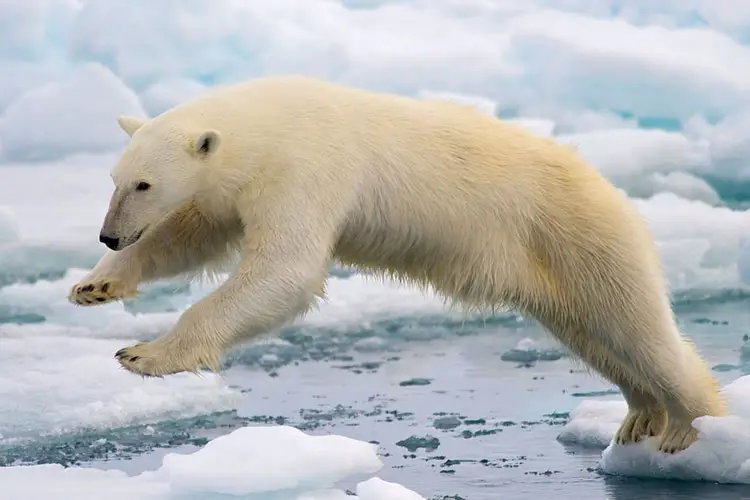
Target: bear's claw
[[640, 424], [137, 359], [97, 292], [122, 355], [677, 437]]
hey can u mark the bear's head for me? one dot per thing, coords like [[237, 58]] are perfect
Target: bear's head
[[161, 168]]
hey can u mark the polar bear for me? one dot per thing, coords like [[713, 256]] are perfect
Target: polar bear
[[289, 173]]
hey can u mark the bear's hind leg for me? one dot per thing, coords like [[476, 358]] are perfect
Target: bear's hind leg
[[646, 416], [668, 368], [689, 392]]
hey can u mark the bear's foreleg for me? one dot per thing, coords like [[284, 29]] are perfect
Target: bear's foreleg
[[185, 241], [114, 277], [283, 269]]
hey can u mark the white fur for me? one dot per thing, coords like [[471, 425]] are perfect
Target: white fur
[[298, 172]]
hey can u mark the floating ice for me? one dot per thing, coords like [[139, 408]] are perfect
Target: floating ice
[[377, 489], [721, 454], [279, 462], [527, 352], [593, 423]]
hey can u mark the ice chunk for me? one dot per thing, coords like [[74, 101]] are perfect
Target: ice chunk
[[721, 454], [526, 352], [593, 423], [43, 482], [278, 462], [377, 489], [288, 458]]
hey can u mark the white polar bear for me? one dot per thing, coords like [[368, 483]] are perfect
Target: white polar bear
[[291, 172]]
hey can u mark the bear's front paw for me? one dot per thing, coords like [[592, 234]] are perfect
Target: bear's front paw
[[92, 292], [156, 359]]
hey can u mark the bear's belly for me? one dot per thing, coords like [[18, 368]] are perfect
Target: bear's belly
[[488, 269]]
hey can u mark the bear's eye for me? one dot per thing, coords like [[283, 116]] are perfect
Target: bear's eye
[[142, 186]]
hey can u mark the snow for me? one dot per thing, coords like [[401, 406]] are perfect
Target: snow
[[276, 462], [721, 454]]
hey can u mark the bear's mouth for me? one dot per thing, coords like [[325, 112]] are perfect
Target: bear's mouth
[[133, 238], [138, 235]]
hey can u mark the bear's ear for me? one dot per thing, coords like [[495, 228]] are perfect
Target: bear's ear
[[130, 124], [207, 143]]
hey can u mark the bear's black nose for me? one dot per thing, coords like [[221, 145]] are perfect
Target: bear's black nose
[[111, 243]]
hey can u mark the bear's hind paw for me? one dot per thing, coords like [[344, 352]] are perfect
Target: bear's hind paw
[[677, 437], [97, 292], [640, 424]]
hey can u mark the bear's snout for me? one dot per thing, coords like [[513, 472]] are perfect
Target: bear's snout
[[111, 243]]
